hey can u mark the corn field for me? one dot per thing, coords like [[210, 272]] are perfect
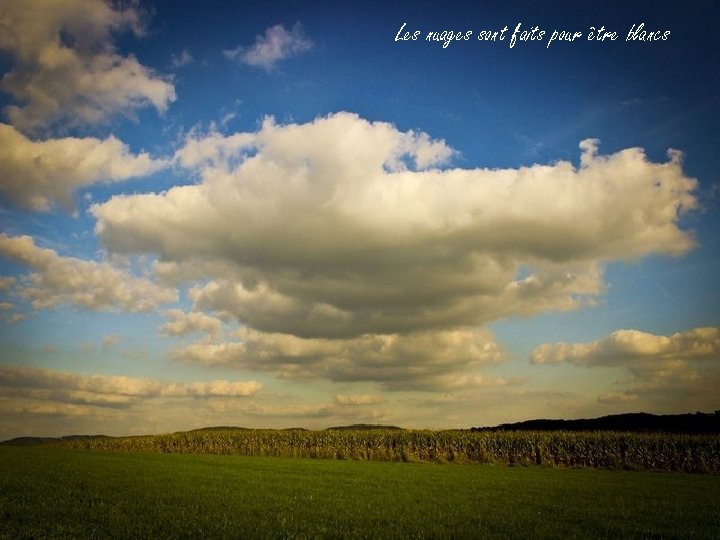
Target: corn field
[[611, 450]]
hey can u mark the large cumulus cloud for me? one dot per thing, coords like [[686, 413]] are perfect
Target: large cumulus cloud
[[341, 228]]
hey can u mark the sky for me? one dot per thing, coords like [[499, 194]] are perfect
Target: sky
[[307, 214]]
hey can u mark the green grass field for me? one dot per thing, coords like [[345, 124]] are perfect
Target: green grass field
[[59, 492]]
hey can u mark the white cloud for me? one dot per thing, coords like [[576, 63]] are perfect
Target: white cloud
[[338, 228], [667, 373], [617, 398], [36, 174], [58, 280], [422, 361], [28, 408], [183, 323], [182, 59], [340, 232], [218, 389], [49, 402], [277, 44], [632, 347], [212, 148], [330, 413], [358, 399], [6, 282], [65, 68], [16, 318], [110, 341], [50, 387]]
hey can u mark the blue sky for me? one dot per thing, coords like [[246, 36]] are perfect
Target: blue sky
[[233, 213]]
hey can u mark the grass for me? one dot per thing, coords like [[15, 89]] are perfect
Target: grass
[[64, 493]]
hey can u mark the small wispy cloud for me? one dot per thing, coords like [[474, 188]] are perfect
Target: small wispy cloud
[[110, 341], [182, 59], [357, 399], [277, 44], [632, 101]]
